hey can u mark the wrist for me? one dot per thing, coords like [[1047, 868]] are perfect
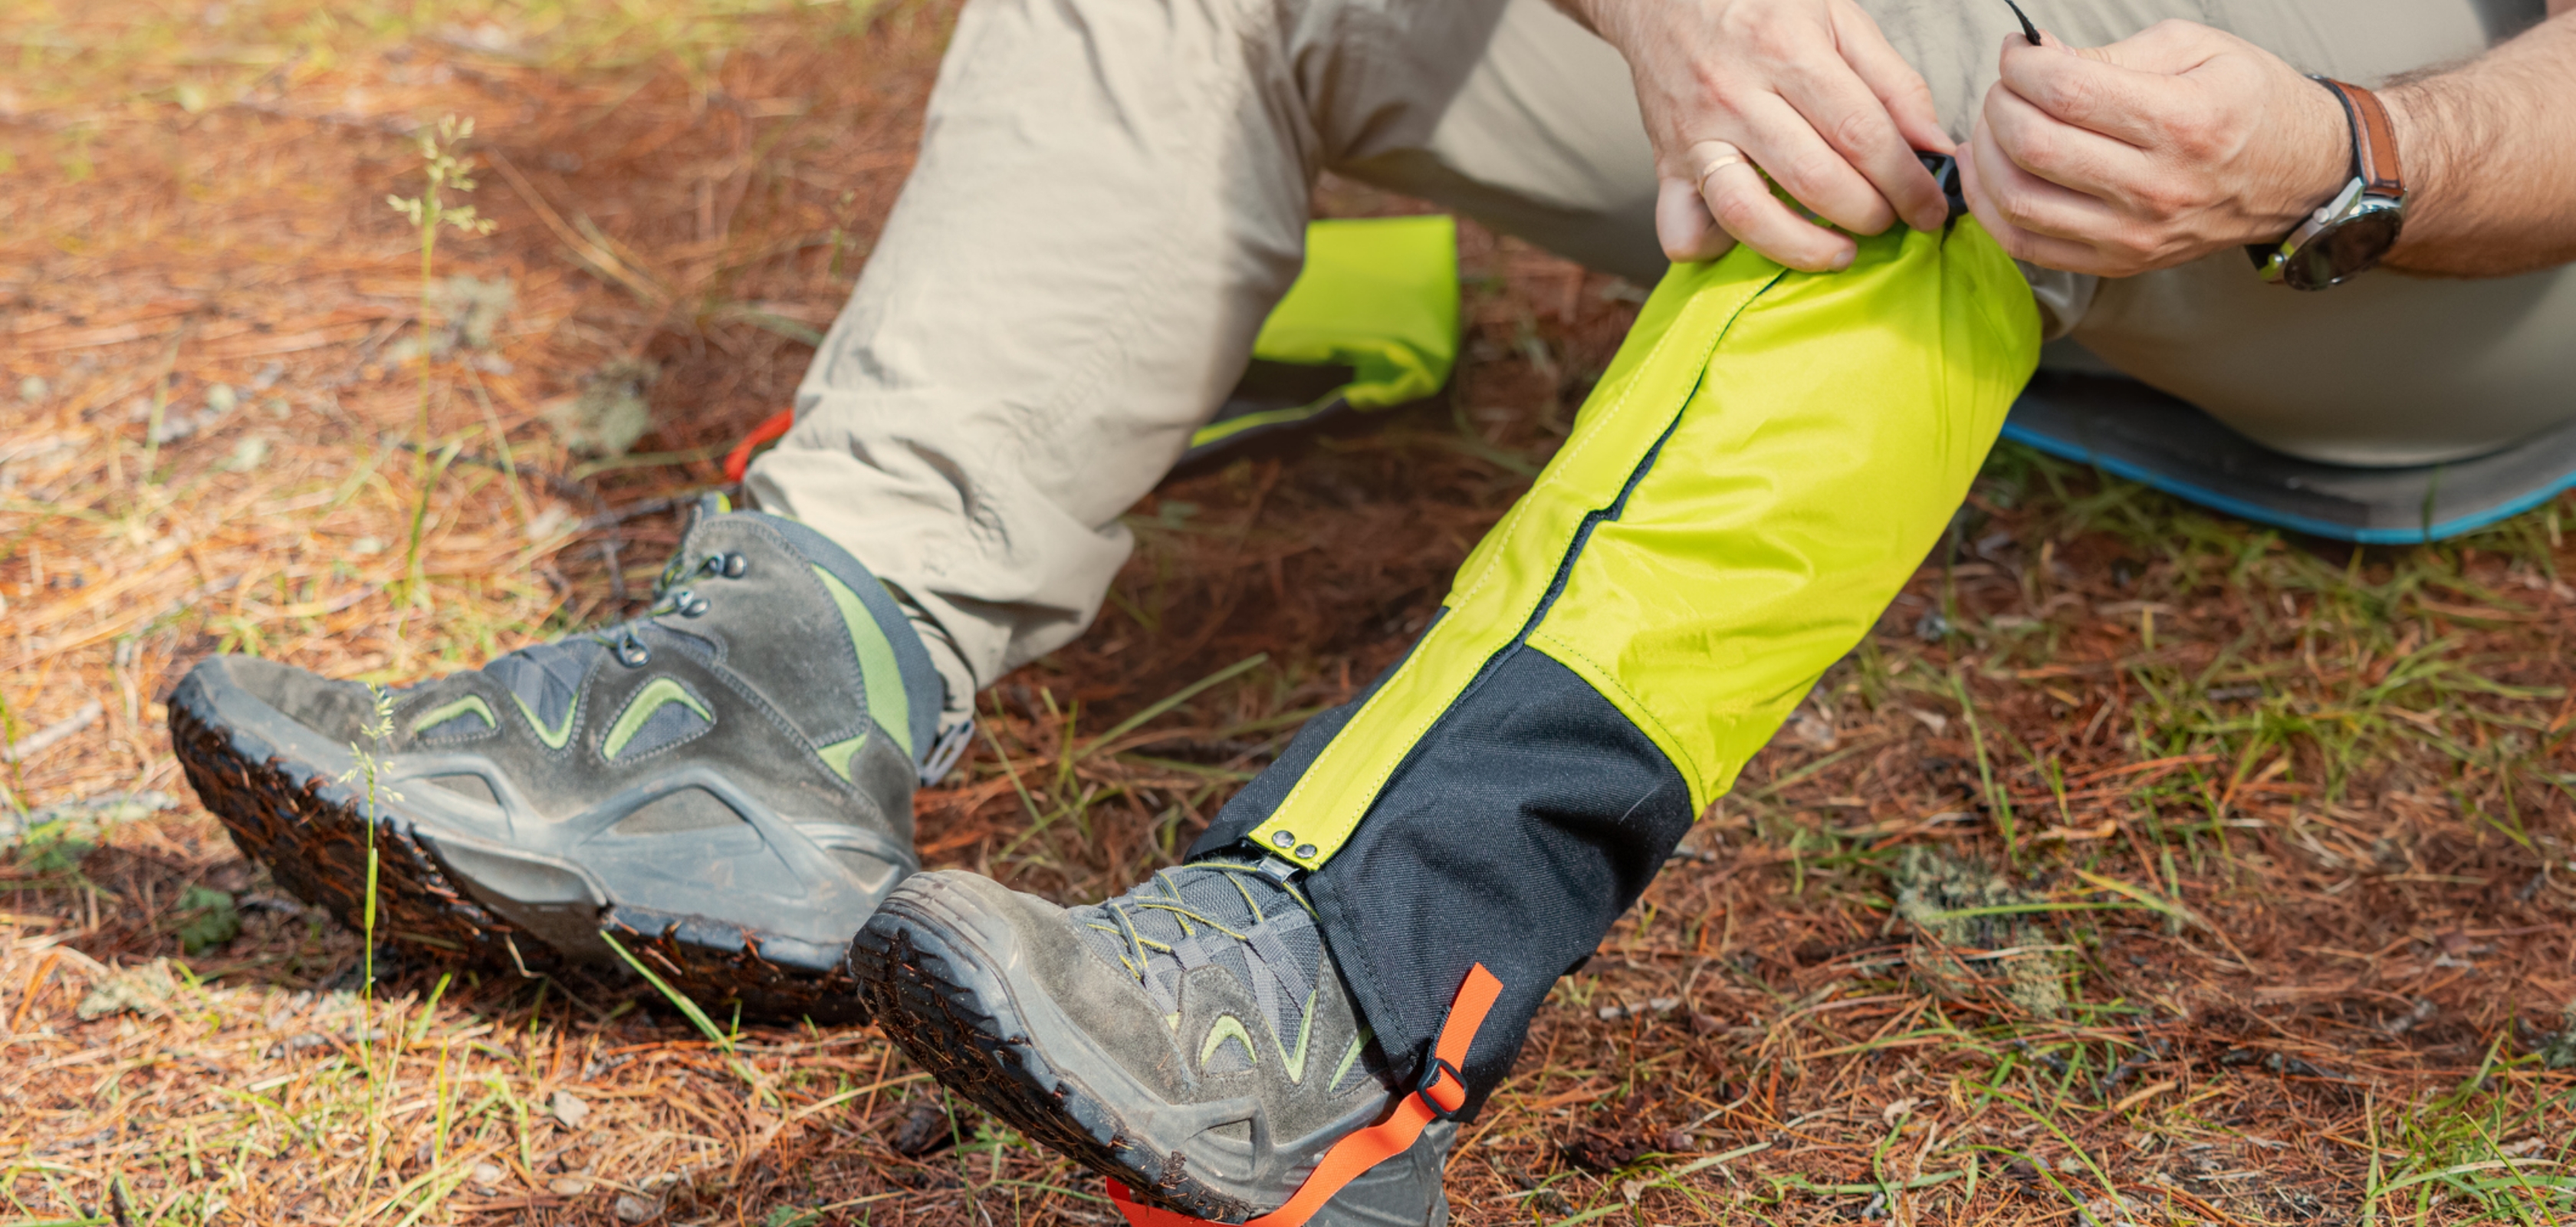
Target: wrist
[[2318, 165], [2410, 121]]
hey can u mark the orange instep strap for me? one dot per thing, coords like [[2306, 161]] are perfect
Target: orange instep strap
[[738, 461], [1439, 1094]]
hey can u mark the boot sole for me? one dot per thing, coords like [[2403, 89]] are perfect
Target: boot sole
[[934, 991], [311, 830]]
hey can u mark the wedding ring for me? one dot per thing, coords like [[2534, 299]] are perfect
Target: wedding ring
[[1714, 167]]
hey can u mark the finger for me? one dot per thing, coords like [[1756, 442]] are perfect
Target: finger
[[2049, 252], [1683, 226], [1842, 109], [1787, 146], [2063, 153], [1973, 190], [2123, 103], [1901, 89], [1740, 199], [2018, 243], [2035, 206]]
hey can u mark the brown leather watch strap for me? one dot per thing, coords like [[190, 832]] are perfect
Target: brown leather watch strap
[[2374, 140]]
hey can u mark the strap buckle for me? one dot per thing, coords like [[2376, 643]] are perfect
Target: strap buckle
[[1436, 1071]]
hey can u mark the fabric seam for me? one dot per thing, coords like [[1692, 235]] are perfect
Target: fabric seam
[[1413, 735], [1601, 678]]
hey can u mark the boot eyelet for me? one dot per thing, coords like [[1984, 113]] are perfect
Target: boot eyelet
[[694, 607], [630, 651], [736, 566]]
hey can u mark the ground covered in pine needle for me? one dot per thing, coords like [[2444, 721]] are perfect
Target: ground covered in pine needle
[[2142, 867]]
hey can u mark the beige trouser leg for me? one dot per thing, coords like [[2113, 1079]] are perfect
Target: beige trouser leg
[[1111, 196], [1113, 193]]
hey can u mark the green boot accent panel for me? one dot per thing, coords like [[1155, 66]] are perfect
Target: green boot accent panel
[[837, 755], [555, 737], [651, 716], [882, 675], [470, 716]]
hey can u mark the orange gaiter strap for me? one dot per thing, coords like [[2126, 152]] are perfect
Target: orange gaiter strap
[[738, 461], [1439, 1094]]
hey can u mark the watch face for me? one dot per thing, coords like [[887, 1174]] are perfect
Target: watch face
[[2346, 248]]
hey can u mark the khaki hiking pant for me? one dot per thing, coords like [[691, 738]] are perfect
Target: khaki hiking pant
[[1111, 195]]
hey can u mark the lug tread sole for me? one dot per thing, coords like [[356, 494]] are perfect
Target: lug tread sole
[[952, 1015], [311, 833]]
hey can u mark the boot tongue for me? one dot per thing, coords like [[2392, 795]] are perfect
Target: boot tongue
[[1260, 931], [692, 559], [546, 678]]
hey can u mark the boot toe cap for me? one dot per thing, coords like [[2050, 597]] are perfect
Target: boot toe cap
[[246, 689]]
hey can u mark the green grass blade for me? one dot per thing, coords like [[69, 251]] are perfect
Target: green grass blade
[[1175, 699], [697, 1017]]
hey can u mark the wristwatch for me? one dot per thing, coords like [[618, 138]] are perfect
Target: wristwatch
[[2350, 233]]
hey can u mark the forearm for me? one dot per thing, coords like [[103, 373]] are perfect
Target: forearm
[[2489, 151]]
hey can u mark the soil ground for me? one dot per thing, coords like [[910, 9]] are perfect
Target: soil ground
[[2142, 867]]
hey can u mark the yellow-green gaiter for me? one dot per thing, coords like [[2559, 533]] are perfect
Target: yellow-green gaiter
[[1765, 462]]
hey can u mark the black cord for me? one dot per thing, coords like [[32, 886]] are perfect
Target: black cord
[[2028, 30]]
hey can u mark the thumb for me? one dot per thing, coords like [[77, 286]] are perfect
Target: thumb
[[1683, 225]]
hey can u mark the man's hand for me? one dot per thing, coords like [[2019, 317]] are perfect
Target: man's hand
[[2151, 152], [1808, 91]]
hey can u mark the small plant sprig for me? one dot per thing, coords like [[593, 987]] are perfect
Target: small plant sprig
[[9, 797], [369, 767], [443, 170]]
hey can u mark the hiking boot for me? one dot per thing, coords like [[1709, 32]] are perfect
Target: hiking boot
[[1190, 1039], [723, 785]]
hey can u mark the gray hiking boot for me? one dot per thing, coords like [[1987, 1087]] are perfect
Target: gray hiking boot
[[724, 785], [1190, 1039]]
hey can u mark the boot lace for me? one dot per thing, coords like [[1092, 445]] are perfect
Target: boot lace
[[1260, 929], [669, 599]]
